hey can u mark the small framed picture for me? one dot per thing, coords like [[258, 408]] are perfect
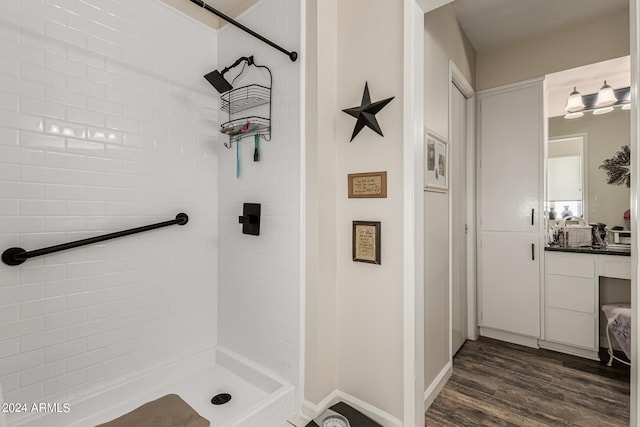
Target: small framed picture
[[367, 185], [436, 162], [366, 241]]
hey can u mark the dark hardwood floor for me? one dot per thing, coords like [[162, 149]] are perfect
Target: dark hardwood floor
[[501, 384]]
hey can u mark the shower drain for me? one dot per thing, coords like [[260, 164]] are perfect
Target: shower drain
[[220, 399]]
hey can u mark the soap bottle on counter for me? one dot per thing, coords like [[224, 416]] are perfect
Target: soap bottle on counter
[[598, 238]]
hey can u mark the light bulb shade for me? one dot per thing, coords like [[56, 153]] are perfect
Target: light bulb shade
[[603, 110], [574, 115], [606, 96], [574, 103]]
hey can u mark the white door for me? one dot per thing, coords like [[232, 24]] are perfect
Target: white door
[[458, 189], [510, 190], [510, 134], [509, 268]]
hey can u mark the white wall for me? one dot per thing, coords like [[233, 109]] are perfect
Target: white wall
[[105, 123], [259, 283], [369, 298], [443, 40]]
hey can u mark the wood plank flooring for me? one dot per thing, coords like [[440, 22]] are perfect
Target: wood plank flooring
[[501, 384]]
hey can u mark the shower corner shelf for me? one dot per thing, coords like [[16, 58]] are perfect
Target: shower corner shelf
[[242, 99], [246, 126]]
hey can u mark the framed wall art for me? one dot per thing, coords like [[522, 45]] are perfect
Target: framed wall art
[[366, 241], [436, 162], [367, 185]]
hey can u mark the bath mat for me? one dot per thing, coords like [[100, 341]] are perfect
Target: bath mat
[[167, 411]]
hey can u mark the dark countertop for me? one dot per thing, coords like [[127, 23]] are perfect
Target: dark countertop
[[592, 250]]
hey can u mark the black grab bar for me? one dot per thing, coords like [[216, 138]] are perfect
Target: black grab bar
[[16, 256]]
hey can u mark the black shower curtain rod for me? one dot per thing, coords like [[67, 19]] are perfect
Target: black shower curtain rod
[[16, 256], [292, 55]]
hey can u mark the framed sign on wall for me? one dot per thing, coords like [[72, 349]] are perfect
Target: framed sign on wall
[[366, 241], [367, 185]]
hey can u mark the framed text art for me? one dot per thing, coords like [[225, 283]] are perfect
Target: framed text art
[[366, 241], [436, 162], [367, 185]]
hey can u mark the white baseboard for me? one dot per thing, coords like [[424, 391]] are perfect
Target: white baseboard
[[296, 421], [509, 337], [311, 410], [575, 351], [436, 385]]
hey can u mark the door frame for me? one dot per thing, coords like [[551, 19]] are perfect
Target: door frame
[[413, 288], [634, 25], [457, 81], [413, 203]]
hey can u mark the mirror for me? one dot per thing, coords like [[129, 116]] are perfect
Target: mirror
[[577, 148], [566, 162]]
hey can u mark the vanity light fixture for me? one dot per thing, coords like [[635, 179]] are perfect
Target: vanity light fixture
[[601, 102], [574, 103], [605, 96]]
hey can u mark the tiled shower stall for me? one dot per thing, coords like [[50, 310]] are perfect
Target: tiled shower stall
[[106, 124]]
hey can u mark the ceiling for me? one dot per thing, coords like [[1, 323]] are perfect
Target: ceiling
[[231, 8], [491, 24]]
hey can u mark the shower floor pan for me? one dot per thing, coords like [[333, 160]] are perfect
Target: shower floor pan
[[258, 398]]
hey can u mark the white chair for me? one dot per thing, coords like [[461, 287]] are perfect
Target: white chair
[[619, 323]]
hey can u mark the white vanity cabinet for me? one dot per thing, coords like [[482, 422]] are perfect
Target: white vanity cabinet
[[510, 193], [570, 292], [571, 303]]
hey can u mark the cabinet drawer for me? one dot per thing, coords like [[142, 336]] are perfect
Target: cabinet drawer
[[566, 264], [617, 267], [571, 328], [570, 293]]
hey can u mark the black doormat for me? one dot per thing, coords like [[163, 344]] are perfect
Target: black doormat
[[355, 417]]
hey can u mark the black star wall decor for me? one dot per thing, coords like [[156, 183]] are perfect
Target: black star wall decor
[[366, 113]]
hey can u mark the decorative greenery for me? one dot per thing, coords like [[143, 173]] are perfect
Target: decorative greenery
[[618, 167]]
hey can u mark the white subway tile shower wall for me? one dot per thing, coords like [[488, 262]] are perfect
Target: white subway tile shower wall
[[259, 286], [105, 124]]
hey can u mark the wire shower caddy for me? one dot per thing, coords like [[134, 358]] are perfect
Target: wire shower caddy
[[242, 99]]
